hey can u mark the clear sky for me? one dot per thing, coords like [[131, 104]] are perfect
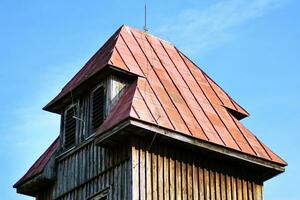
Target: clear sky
[[251, 48]]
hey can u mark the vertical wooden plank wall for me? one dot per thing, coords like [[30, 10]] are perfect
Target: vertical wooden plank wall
[[165, 172], [90, 170]]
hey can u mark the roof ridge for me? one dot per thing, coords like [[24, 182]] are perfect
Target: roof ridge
[[129, 28]]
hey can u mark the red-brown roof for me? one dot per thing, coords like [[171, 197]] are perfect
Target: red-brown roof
[[172, 92], [39, 165]]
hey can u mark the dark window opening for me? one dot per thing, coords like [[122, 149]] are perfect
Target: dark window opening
[[98, 107], [70, 127]]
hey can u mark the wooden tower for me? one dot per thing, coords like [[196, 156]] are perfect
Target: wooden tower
[[141, 121]]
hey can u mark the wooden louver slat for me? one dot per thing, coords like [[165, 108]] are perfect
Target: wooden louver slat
[[70, 128], [98, 106]]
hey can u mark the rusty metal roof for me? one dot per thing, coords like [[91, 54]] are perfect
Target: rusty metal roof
[[39, 165], [171, 91], [174, 93]]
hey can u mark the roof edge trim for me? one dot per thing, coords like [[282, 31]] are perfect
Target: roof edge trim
[[208, 145], [19, 184], [193, 141]]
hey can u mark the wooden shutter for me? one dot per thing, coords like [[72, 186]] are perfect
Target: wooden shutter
[[98, 106], [70, 127]]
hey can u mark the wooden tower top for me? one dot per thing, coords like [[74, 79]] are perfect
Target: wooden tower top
[[170, 95]]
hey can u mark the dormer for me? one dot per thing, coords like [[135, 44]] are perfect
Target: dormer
[[84, 112]]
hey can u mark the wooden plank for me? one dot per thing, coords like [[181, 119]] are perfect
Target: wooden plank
[[233, 188], [88, 164], [250, 196], [76, 171], [83, 167], [124, 181], [245, 189], [172, 179], [166, 173], [142, 168], [184, 178], [135, 173], [160, 173], [121, 182], [127, 175], [115, 182], [239, 189], [178, 177], [201, 183], [206, 184], [228, 187], [65, 163], [195, 181], [148, 175], [218, 186], [73, 171], [254, 191], [95, 162], [258, 191], [223, 186], [154, 174], [111, 179], [212, 185], [190, 178]]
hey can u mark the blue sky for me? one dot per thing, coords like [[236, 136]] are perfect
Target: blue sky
[[251, 48]]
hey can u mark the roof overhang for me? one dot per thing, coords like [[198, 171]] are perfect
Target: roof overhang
[[265, 168], [41, 174], [33, 185], [56, 106]]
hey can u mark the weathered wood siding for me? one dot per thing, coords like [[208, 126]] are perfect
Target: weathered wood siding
[[165, 172], [90, 169]]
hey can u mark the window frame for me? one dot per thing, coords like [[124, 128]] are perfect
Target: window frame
[[111, 101], [71, 106], [104, 85]]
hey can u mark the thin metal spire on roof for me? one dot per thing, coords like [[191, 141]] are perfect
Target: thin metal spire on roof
[[145, 18]]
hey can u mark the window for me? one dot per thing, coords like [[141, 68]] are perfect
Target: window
[[98, 107], [116, 87], [70, 127]]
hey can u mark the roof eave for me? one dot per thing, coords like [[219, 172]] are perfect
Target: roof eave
[[106, 137], [32, 185], [55, 106]]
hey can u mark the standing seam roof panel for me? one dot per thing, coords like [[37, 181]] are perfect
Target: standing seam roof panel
[[161, 92]]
